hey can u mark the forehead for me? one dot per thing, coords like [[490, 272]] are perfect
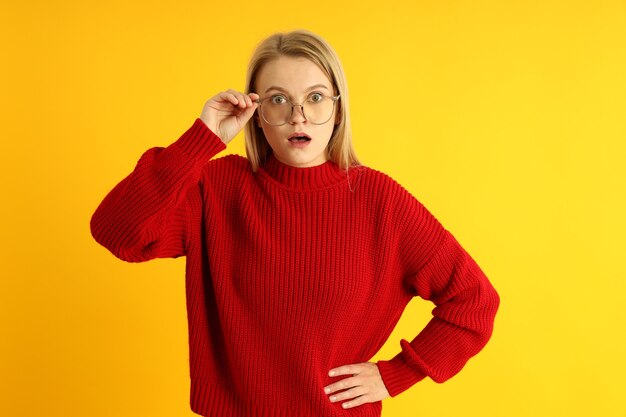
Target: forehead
[[290, 73]]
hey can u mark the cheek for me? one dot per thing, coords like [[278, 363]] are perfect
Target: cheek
[[329, 129], [273, 134]]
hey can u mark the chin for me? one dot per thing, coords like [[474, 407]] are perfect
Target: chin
[[301, 160]]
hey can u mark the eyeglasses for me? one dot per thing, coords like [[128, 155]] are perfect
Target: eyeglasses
[[277, 109]]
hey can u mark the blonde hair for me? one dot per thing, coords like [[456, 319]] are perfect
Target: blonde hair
[[302, 43]]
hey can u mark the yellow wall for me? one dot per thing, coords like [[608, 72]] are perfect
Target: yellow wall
[[505, 118]]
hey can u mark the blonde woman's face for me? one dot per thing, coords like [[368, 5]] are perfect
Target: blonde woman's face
[[295, 79]]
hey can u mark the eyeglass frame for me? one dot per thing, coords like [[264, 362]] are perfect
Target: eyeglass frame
[[260, 101]]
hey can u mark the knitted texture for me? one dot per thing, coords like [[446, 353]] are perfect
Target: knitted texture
[[294, 271]]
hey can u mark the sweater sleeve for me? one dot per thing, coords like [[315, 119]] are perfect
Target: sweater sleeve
[[146, 215], [441, 271]]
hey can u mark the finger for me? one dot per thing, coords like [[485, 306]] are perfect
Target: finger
[[238, 97], [356, 402], [254, 96], [230, 97], [345, 383], [242, 100], [348, 394], [247, 114], [352, 369]]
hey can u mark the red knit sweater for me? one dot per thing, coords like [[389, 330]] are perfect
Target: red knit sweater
[[294, 271]]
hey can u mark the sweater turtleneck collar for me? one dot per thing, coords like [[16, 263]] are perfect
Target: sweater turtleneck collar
[[303, 179]]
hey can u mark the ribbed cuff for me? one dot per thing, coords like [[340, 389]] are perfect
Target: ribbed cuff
[[398, 375], [199, 143]]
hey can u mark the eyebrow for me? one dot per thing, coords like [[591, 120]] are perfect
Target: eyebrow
[[313, 87]]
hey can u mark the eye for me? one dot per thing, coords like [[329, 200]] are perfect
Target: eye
[[279, 99], [316, 97]]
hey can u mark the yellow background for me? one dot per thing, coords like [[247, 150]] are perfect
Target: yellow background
[[505, 118]]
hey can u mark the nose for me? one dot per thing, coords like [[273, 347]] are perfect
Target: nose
[[297, 116]]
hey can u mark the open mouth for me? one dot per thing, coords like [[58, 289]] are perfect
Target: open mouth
[[299, 137]]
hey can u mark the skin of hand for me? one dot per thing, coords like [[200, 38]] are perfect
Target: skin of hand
[[226, 113], [365, 384]]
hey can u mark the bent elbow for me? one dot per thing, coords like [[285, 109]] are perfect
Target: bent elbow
[[112, 241]]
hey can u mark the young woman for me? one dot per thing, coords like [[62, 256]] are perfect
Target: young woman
[[300, 261]]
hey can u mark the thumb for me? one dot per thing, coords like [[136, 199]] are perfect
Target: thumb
[[248, 113]]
